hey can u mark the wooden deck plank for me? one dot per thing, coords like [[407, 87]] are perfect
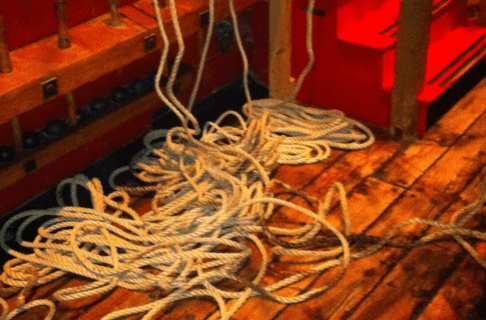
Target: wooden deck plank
[[443, 181], [118, 300], [404, 169], [300, 176], [459, 295], [353, 294], [181, 310], [352, 169], [448, 129], [376, 287], [379, 196], [432, 193], [416, 279], [95, 308]]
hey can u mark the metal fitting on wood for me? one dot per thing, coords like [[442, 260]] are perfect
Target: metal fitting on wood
[[114, 13]]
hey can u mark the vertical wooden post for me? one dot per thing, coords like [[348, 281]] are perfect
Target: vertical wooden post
[[410, 65], [61, 12], [71, 108], [114, 13], [280, 83], [16, 135], [481, 19], [5, 63]]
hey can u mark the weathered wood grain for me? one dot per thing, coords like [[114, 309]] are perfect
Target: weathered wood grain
[[439, 177], [459, 295], [351, 162], [417, 278], [455, 122], [363, 209], [5, 63], [443, 182], [404, 169], [280, 65], [353, 168], [351, 171], [341, 302], [300, 176], [428, 197], [410, 65]]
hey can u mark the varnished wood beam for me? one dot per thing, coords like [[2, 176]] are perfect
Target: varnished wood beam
[[5, 63], [71, 108], [280, 84], [61, 12], [93, 57], [410, 65], [16, 134]]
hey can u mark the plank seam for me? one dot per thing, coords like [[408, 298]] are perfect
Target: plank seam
[[421, 306], [459, 135], [453, 200], [406, 252]]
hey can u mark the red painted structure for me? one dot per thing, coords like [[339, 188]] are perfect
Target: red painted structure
[[354, 43]]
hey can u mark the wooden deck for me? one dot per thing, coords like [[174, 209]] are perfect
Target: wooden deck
[[386, 184]]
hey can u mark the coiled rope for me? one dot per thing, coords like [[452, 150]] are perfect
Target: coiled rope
[[212, 211]]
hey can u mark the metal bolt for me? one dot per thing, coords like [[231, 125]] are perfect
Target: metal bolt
[[149, 43], [49, 88]]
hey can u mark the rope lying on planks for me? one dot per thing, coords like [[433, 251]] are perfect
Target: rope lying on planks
[[213, 199]]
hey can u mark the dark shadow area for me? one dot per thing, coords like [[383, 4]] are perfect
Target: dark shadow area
[[456, 92]]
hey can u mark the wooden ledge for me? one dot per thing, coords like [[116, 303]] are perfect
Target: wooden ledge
[[97, 49]]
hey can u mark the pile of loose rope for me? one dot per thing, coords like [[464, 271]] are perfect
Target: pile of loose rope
[[213, 211]]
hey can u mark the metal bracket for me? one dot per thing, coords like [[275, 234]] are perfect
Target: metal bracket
[[149, 43], [30, 166], [204, 19], [49, 88], [224, 34], [315, 12]]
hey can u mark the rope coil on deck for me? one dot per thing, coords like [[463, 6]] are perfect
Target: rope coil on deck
[[214, 209]]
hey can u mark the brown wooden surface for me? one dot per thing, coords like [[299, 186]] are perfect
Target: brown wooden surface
[[114, 14], [385, 184], [280, 84], [16, 134], [410, 64], [63, 33], [96, 50], [71, 105]]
